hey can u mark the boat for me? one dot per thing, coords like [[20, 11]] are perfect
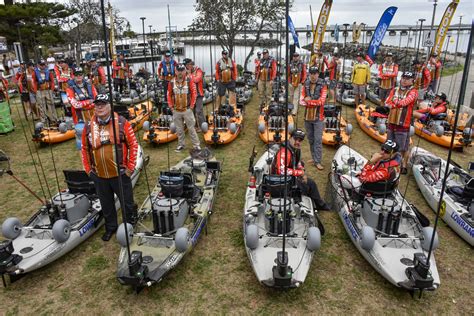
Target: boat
[[373, 123], [437, 130], [346, 95], [271, 123], [266, 206], [59, 133], [373, 92], [243, 92], [136, 114], [457, 206], [223, 125], [336, 131], [59, 226], [388, 231], [170, 221], [160, 130]]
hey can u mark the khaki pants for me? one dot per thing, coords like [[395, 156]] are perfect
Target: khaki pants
[[179, 118], [45, 103], [294, 97], [265, 91]]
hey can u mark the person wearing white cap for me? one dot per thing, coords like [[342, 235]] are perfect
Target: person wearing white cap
[[296, 77], [388, 72]]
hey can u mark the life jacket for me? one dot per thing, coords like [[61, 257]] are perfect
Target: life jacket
[[96, 140], [79, 93], [334, 71], [120, 73], [296, 69], [387, 83], [181, 95], [63, 77], [265, 68], [420, 78], [392, 165], [168, 73], [39, 78], [401, 116], [295, 157], [314, 113], [225, 69]]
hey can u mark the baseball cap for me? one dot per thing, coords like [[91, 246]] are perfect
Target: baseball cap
[[102, 98]]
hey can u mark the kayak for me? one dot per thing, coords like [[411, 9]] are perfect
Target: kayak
[[336, 131], [170, 221], [457, 207], [373, 123], [222, 126], [437, 131], [58, 227], [347, 96], [160, 130], [54, 134], [389, 232], [271, 124], [136, 114], [263, 226]]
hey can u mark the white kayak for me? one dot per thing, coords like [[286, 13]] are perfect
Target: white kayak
[[265, 204], [54, 230], [383, 226], [457, 207]]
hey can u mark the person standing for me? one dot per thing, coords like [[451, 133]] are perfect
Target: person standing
[[43, 86], [401, 102], [25, 85], [256, 61], [313, 97], [166, 71], [334, 69], [320, 61], [434, 66], [265, 73], [182, 98], [360, 77], [51, 62], [296, 77], [422, 78], [120, 73], [388, 72], [63, 75], [226, 74], [197, 76], [96, 75], [81, 95], [100, 162]]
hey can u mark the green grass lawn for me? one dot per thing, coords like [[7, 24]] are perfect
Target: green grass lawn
[[216, 277]]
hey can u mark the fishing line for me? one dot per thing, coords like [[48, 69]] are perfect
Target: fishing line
[[53, 161], [212, 88]]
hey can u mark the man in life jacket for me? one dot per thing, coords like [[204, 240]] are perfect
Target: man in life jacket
[[166, 71], [388, 77], [313, 97], [96, 75], [422, 78], [320, 61], [257, 60], [438, 106], [81, 94], [265, 73], [434, 66], [334, 69], [63, 75], [43, 86], [197, 76], [226, 74], [182, 98], [296, 78], [401, 102], [289, 157], [120, 73], [100, 163], [25, 85], [360, 77], [382, 166]]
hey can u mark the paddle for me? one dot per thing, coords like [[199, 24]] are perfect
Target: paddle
[[424, 221]]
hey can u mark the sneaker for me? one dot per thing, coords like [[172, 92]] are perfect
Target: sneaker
[[404, 170], [319, 166], [196, 149], [179, 149]]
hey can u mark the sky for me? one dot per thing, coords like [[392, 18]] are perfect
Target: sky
[[343, 11]]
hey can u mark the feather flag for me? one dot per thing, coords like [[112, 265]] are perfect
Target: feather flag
[[443, 27], [318, 33], [336, 33], [379, 33], [291, 27]]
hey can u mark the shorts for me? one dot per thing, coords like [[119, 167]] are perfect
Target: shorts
[[332, 84], [222, 87], [25, 97], [383, 93], [359, 88], [402, 138], [32, 98]]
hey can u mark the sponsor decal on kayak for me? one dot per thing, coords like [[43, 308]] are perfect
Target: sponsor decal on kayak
[[458, 219], [57, 248], [172, 261], [427, 132], [351, 227], [198, 232], [84, 229]]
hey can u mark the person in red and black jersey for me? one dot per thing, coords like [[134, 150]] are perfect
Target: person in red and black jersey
[[99, 161], [289, 157], [438, 106]]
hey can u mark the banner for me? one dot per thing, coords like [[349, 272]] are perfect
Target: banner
[[336, 33], [443, 27], [291, 27], [356, 32], [379, 32], [318, 34]]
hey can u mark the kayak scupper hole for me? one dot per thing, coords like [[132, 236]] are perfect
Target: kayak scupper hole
[[26, 250]]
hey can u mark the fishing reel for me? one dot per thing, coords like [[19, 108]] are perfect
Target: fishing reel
[[466, 136], [282, 273], [138, 271], [419, 276]]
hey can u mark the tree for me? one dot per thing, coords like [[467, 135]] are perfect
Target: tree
[[39, 23], [227, 18]]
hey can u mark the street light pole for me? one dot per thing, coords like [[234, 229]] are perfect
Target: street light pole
[[20, 58], [419, 37], [152, 53], [457, 39], [144, 40], [432, 24]]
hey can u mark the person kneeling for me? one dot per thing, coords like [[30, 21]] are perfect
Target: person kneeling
[[289, 157]]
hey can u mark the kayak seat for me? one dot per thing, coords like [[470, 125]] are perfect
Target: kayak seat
[[79, 182], [439, 117], [330, 111], [172, 184], [463, 193], [379, 189], [275, 185]]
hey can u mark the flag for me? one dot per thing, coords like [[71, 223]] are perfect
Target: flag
[[379, 32], [291, 27], [318, 33], [443, 27], [336, 33]]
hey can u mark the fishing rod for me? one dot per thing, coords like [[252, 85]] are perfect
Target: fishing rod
[[114, 129], [54, 164], [442, 65], [448, 161], [214, 132]]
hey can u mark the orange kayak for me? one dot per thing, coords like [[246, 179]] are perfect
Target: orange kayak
[[223, 126], [362, 113], [139, 113], [436, 134], [54, 134], [330, 136], [159, 130], [271, 129]]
